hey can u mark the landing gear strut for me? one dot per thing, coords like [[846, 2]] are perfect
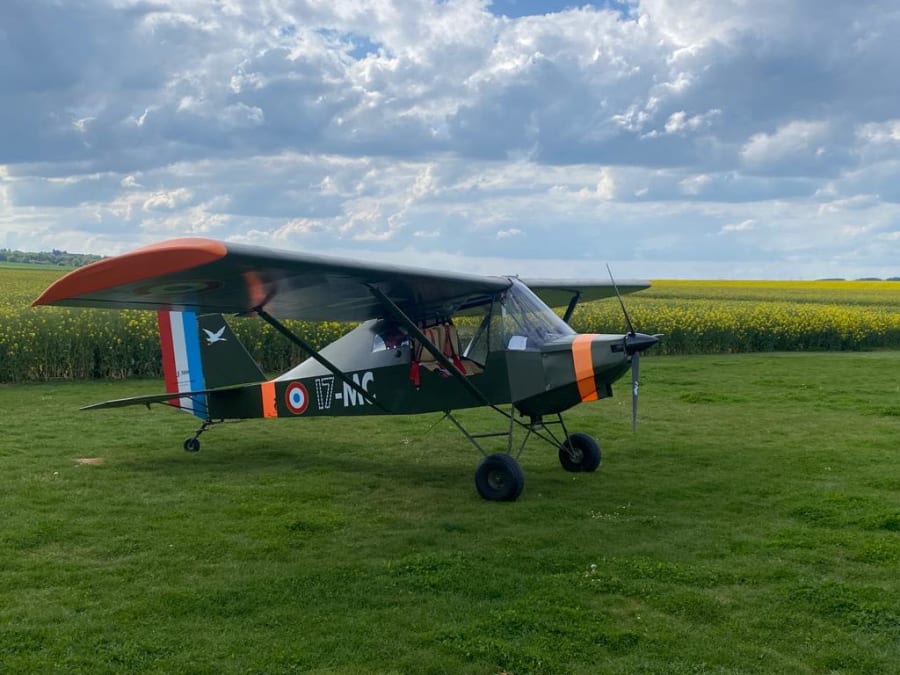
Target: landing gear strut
[[499, 477], [579, 453], [192, 444]]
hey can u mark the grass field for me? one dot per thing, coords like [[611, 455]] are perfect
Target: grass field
[[752, 524]]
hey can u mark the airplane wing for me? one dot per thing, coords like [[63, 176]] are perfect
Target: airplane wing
[[558, 292], [209, 276]]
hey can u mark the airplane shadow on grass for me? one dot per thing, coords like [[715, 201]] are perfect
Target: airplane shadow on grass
[[258, 459]]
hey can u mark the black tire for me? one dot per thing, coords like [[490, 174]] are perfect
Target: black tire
[[499, 478], [579, 453], [192, 445]]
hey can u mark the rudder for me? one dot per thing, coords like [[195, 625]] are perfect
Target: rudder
[[182, 365], [201, 353]]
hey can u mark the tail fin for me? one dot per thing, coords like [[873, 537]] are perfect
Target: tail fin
[[202, 353]]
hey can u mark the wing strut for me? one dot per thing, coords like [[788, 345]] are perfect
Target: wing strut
[[314, 353], [413, 329], [572, 304]]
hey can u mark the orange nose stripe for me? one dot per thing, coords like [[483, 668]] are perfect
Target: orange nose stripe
[[584, 367]]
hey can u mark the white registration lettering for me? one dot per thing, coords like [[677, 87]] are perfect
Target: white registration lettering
[[352, 396]]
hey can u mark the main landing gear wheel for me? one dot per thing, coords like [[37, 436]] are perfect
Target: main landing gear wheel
[[499, 478], [192, 444], [579, 453]]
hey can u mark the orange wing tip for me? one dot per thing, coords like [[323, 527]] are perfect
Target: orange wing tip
[[167, 257]]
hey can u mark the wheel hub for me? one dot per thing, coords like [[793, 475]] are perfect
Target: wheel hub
[[497, 480]]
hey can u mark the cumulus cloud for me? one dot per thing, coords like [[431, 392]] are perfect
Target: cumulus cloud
[[679, 122], [166, 200], [881, 133], [694, 185], [743, 226], [511, 232], [640, 129], [792, 145]]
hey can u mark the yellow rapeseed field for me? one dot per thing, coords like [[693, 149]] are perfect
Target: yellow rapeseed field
[[752, 316], [46, 343], [695, 317]]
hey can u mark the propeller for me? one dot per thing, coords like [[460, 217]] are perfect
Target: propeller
[[635, 343]]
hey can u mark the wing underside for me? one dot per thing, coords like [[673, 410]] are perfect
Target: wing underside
[[558, 292], [208, 276]]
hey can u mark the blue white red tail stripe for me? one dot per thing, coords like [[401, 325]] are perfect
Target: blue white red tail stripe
[[182, 368]]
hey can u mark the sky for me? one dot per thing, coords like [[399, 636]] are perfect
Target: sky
[[670, 139]]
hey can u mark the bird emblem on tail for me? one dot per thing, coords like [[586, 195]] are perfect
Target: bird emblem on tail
[[212, 338]]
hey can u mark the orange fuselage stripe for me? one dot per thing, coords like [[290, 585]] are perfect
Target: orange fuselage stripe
[[584, 367], [267, 390]]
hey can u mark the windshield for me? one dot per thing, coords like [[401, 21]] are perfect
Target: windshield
[[516, 319], [528, 321]]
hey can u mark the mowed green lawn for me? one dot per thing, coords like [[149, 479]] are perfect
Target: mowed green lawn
[[752, 524]]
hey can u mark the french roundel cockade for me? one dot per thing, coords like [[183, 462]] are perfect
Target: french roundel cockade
[[297, 398]]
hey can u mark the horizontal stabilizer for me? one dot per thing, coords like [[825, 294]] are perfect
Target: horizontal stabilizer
[[157, 398], [558, 292]]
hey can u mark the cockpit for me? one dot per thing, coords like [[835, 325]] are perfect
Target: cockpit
[[515, 319]]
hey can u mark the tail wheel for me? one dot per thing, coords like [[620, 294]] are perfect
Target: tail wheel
[[192, 445], [499, 478], [580, 452]]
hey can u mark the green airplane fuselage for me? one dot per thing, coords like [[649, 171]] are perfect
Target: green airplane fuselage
[[538, 381], [519, 352]]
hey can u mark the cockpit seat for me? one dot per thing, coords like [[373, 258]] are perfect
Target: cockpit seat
[[446, 339]]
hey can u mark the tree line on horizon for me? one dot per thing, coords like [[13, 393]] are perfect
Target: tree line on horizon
[[54, 257]]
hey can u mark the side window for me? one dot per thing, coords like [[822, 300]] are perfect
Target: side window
[[490, 334], [474, 334], [389, 335]]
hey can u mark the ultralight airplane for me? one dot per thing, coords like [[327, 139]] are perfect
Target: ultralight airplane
[[404, 357]]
